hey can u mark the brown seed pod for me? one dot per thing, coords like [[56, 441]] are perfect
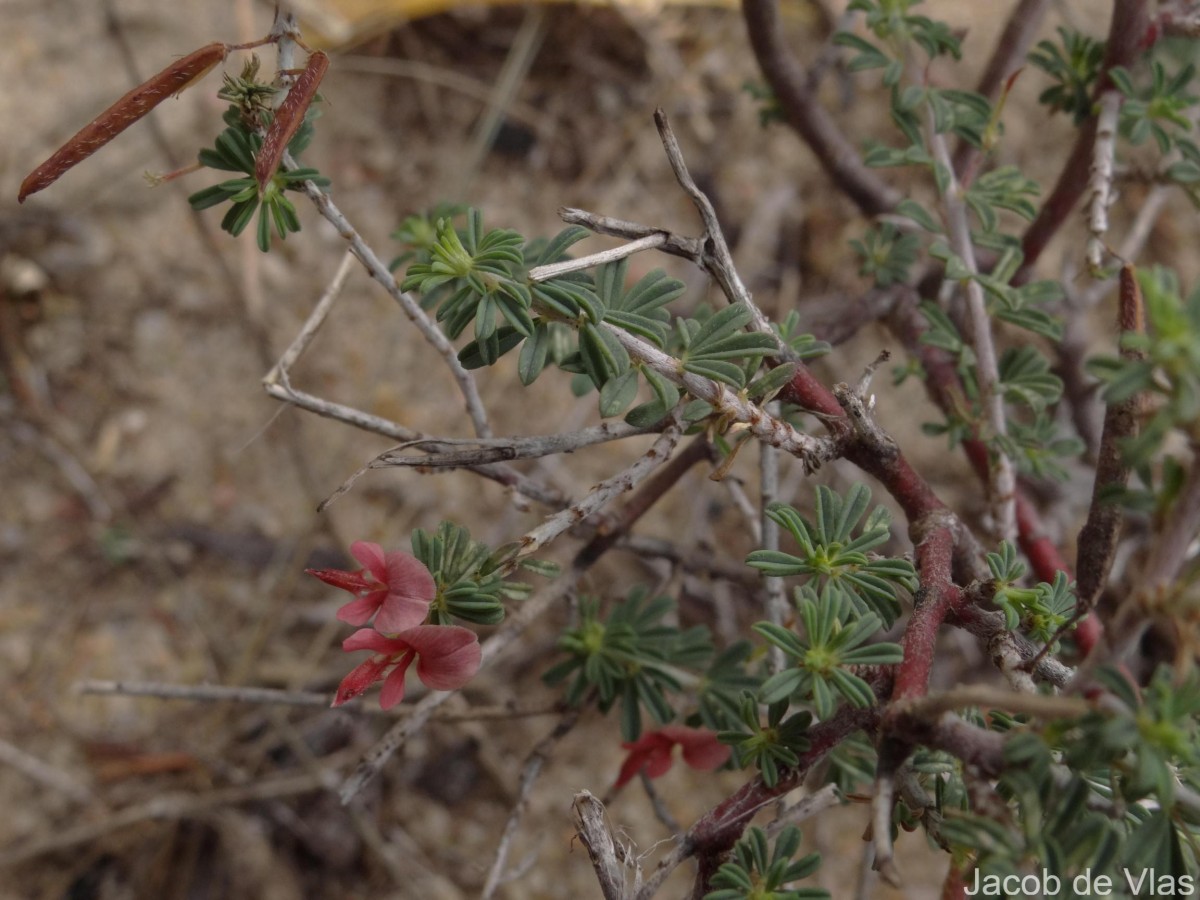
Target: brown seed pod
[[133, 106], [289, 117]]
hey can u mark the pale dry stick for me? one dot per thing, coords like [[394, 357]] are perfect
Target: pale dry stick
[[505, 475], [882, 801], [668, 864], [489, 452], [277, 384], [171, 806], [68, 463], [1008, 658], [554, 270], [1002, 481], [529, 447], [1101, 183], [751, 514], [534, 763], [608, 857], [43, 773], [1130, 249], [717, 258], [407, 302], [314, 321], [805, 808], [603, 493], [219, 693]]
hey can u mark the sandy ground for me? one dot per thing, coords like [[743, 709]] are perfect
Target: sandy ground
[[158, 508]]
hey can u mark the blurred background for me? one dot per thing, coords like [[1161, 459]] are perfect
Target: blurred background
[[157, 509]]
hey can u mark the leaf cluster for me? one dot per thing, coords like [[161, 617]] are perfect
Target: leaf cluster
[[777, 742], [470, 586], [1042, 609], [472, 274], [756, 872], [821, 662], [1073, 65], [835, 558], [629, 657], [235, 150], [1098, 792]]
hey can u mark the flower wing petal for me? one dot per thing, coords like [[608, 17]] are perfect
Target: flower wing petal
[[393, 688], [360, 610], [399, 613], [408, 577], [632, 765], [372, 558], [701, 749], [370, 639], [449, 654]]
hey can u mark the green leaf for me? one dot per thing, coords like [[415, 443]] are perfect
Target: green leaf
[[618, 393]]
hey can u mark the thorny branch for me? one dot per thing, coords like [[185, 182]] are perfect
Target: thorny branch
[[1130, 20]]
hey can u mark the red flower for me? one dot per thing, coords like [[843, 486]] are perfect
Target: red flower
[[447, 657], [651, 753], [396, 588]]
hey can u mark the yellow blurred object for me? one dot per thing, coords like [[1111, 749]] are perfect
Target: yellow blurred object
[[344, 23]]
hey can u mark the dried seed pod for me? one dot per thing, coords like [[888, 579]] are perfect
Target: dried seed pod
[[289, 117], [133, 106]]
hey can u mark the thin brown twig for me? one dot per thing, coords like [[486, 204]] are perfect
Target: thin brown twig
[[804, 113], [167, 806], [537, 759], [406, 301], [1130, 19], [44, 773], [219, 693]]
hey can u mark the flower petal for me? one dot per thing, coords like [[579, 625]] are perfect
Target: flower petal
[[632, 765], [360, 678], [370, 639], [450, 655], [659, 760], [651, 753], [399, 613], [372, 558], [359, 611], [393, 688], [701, 749], [408, 577]]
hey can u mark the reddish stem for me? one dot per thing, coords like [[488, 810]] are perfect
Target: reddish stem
[[1126, 39], [937, 596]]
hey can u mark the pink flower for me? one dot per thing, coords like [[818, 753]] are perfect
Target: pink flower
[[651, 753], [396, 588], [447, 657]]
